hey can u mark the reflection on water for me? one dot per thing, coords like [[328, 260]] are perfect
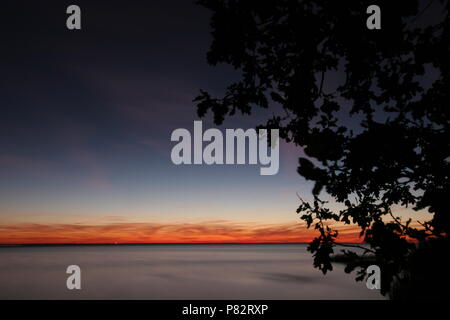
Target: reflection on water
[[279, 271]]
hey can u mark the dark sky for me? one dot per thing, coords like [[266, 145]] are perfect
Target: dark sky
[[86, 118]]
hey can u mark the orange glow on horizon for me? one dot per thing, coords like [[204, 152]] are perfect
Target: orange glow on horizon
[[207, 232]]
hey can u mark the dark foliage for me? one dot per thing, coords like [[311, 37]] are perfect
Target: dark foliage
[[377, 141]]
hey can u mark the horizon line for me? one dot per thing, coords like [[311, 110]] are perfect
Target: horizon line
[[154, 243]]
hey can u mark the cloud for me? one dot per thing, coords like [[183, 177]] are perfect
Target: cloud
[[140, 232]]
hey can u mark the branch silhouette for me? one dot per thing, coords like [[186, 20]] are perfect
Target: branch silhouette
[[370, 108]]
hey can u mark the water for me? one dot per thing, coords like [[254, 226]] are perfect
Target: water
[[278, 271]]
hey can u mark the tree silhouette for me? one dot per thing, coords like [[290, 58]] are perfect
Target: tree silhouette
[[376, 139]]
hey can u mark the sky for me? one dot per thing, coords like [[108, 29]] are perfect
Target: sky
[[85, 125]]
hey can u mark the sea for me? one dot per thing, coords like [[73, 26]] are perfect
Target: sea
[[174, 271]]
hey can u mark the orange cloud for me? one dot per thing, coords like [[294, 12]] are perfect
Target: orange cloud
[[122, 232]]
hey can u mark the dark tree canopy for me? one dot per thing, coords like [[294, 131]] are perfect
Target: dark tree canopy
[[375, 141]]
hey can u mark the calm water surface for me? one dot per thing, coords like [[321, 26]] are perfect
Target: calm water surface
[[173, 272]]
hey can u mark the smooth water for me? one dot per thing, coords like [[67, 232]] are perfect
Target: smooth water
[[273, 271]]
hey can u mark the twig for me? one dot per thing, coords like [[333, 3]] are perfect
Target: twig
[[355, 246]]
